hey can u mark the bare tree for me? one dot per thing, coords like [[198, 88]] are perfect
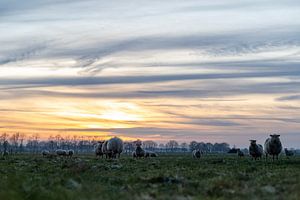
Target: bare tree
[[172, 145]]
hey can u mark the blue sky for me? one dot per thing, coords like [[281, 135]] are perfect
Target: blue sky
[[185, 70]]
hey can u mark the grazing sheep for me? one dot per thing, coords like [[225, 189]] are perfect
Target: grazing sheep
[[45, 153], [240, 153], [255, 150], [273, 146], [70, 153], [115, 146], [98, 149], [150, 154], [139, 151], [61, 152], [288, 152], [196, 153], [105, 150]]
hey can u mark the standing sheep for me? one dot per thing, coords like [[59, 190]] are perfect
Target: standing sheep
[[196, 153], [288, 152], [273, 146], [139, 151], [240, 153], [98, 149], [61, 152], [115, 146], [255, 150], [105, 150], [70, 153], [134, 154]]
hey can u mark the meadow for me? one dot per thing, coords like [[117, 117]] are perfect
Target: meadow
[[170, 176]]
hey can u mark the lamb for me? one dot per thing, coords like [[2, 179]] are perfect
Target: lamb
[[115, 146], [255, 150], [61, 152], [240, 153], [139, 151], [288, 152], [196, 153], [98, 149], [273, 146], [150, 154], [70, 153], [45, 153]]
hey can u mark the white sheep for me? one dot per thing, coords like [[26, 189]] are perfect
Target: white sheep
[[98, 149], [255, 150], [273, 146], [115, 147], [196, 153], [105, 150], [61, 152]]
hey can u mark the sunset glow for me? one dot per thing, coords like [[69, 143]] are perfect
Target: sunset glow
[[173, 71]]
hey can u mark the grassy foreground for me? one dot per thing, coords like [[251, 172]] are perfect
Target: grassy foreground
[[166, 177]]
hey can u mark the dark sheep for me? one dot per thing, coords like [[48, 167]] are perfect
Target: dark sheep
[[255, 150]]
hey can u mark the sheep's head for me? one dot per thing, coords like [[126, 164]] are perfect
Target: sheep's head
[[138, 143], [275, 138], [253, 142]]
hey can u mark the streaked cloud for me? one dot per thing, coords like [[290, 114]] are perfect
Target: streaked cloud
[[206, 70]]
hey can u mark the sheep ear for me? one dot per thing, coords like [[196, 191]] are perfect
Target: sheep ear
[[278, 135]]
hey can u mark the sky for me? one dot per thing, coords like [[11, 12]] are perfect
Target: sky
[[211, 71]]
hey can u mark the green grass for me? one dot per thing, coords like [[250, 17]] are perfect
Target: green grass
[[165, 177]]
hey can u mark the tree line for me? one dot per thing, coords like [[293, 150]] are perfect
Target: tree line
[[18, 143]]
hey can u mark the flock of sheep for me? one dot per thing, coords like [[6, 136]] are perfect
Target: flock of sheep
[[272, 147], [113, 148]]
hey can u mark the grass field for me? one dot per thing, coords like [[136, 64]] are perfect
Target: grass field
[[166, 177]]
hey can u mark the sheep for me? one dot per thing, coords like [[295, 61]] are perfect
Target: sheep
[[61, 152], [70, 153], [255, 150], [240, 153], [115, 147], [98, 149], [139, 151], [134, 154], [288, 153], [105, 150], [273, 146], [45, 153], [196, 153], [150, 154]]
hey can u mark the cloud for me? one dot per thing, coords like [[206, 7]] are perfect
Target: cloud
[[81, 81], [289, 98]]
